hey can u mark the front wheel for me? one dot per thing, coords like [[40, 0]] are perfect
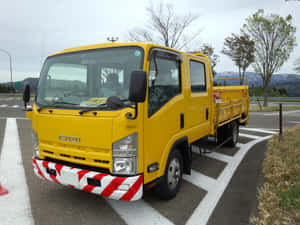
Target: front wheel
[[172, 179]]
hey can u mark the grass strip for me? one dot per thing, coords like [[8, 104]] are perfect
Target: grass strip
[[279, 198]]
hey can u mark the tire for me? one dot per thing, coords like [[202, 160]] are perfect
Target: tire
[[233, 132], [171, 181]]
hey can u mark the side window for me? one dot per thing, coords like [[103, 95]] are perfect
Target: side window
[[197, 73], [164, 82]]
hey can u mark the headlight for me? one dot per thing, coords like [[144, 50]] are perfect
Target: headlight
[[35, 144], [125, 155]]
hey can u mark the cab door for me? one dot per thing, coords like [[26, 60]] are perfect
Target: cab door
[[164, 109], [198, 109]]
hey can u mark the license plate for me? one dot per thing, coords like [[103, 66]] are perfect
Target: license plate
[[70, 178]]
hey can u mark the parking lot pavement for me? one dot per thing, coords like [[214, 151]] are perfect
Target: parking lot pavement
[[12, 106], [198, 202]]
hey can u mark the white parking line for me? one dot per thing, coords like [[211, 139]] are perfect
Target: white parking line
[[15, 106], [15, 207], [258, 130], [213, 155], [239, 145], [206, 207], [284, 113], [138, 212], [200, 180], [220, 157], [249, 136], [3, 106], [18, 118], [294, 121]]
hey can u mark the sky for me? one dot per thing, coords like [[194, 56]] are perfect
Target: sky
[[31, 30]]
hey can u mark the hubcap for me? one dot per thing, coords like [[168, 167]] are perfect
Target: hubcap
[[173, 173]]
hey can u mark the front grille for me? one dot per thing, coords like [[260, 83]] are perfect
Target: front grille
[[75, 165], [101, 161], [77, 157]]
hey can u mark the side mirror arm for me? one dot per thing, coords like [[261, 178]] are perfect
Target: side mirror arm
[[129, 114]]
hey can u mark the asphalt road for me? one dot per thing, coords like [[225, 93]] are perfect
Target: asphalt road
[[221, 191]]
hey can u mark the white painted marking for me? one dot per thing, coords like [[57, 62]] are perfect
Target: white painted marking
[[258, 130], [284, 113], [249, 136], [294, 121], [213, 155], [3, 106], [18, 118], [138, 212], [15, 207], [200, 180], [219, 156], [239, 145], [206, 207], [15, 106]]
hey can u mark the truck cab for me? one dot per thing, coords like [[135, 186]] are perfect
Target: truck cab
[[115, 118]]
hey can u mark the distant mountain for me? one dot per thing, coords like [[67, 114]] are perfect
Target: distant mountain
[[19, 85], [291, 82]]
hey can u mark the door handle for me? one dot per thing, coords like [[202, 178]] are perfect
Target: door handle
[[181, 120], [206, 113]]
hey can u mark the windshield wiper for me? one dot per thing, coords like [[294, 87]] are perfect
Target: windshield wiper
[[54, 103], [42, 107], [92, 109], [62, 102]]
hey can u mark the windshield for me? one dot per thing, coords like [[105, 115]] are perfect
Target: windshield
[[88, 78]]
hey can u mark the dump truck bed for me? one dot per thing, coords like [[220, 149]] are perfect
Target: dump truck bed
[[231, 102]]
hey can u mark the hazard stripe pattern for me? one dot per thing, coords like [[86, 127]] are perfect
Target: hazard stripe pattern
[[114, 187]]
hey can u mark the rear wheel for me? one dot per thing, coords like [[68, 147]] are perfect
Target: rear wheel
[[172, 179], [233, 132]]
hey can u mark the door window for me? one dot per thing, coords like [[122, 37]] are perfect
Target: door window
[[197, 73], [164, 82]]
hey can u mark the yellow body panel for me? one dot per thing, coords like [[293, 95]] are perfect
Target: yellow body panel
[[156, 134]]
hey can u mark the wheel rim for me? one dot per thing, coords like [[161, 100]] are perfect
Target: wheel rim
[[235, 133], [173, 173]]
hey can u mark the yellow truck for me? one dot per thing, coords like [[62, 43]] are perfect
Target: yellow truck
[[115, 119]]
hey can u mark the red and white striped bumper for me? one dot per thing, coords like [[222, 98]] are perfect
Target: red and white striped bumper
[[118, 188]]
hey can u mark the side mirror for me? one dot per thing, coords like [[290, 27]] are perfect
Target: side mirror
[[26, 95], [137, 90], [138, 84]]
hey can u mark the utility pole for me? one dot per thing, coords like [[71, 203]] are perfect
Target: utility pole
[[10, 67]]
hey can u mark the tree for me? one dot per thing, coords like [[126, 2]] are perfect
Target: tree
[[274, 38], [208, 50], [240, 48], [297, 64], [166, 28]]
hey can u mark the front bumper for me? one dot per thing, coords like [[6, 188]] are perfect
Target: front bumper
[[118, 188]]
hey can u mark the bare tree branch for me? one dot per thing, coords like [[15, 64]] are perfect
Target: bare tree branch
[[166, 28]]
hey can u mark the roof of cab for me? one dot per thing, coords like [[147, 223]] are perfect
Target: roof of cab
[[111, 44]]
